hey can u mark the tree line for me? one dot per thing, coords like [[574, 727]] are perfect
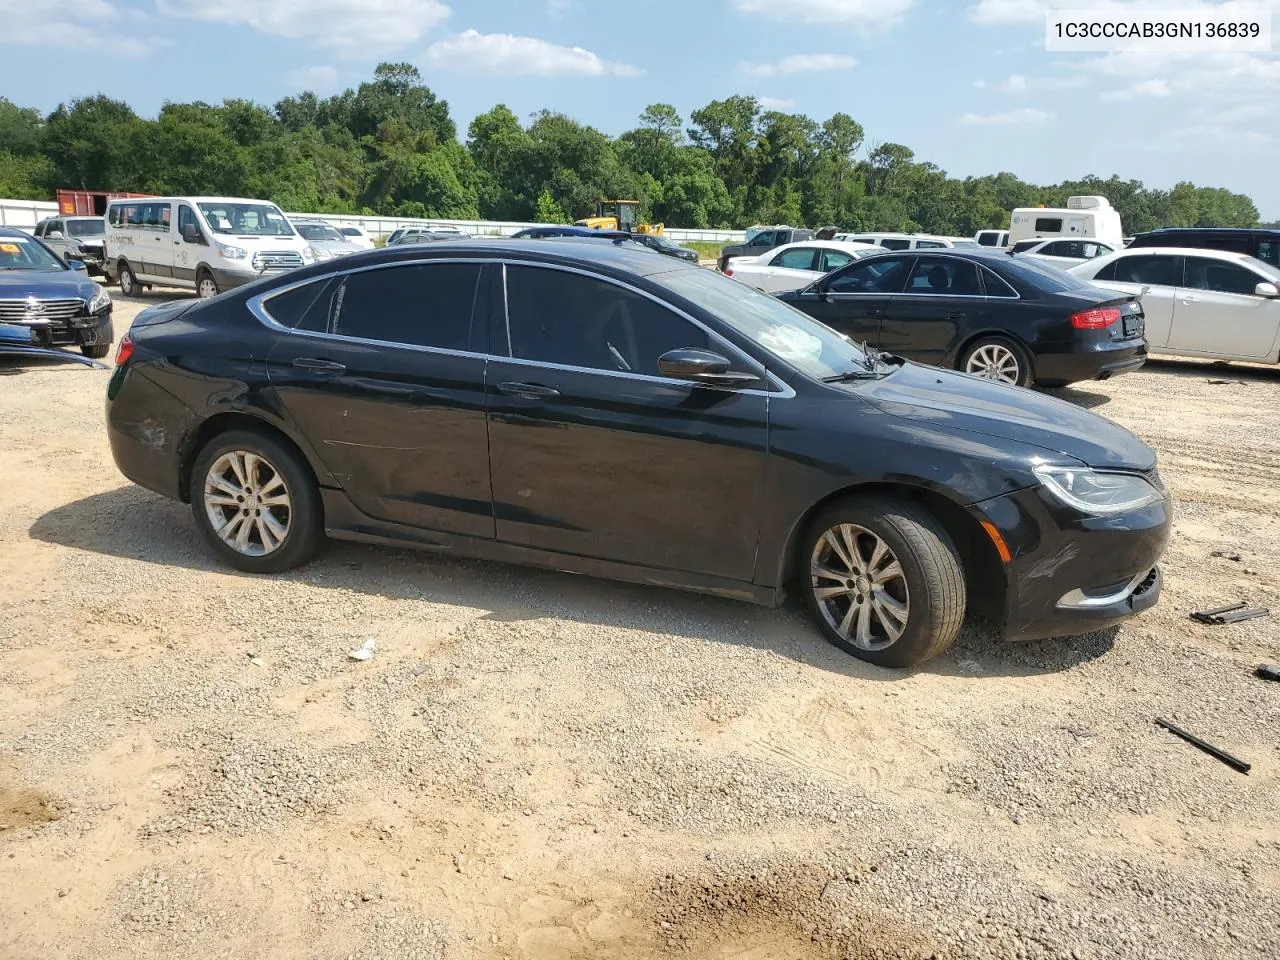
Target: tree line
[[390, 147]]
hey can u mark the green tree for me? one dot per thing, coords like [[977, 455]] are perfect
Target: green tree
[[547, 210]]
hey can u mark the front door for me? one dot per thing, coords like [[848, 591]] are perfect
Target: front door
[[1217, 312], [854, 299], [187, 253], [941, 299], [384, 373], [790, 269], [594, 454]]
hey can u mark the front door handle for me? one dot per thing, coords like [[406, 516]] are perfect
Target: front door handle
[[1190, 299], [956, 316], [317, 365], [529, 391], [875, 313]]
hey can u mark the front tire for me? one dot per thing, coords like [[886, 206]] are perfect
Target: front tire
[[256, 502], [206, 285], [998, 359], [883, 581], [128, 282], [96, 351]]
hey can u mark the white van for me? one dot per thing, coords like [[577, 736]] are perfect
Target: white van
[[904, 241], [206, 244], [1083, 217]]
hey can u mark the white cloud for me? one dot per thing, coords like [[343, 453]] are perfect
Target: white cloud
[[366, 29], [775, 103], [1006, 12], [1008, 118], [868, 14], [316, 79], [558, 9], [509, 55], [800, 63], [1156, 87], [84, 26], [1016, 83]]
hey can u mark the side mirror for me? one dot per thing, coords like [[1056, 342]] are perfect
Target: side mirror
[[53, 235], [1265, 289], [701, 366], [191, 233], [77, 265]]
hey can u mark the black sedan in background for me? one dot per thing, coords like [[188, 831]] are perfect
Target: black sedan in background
[[1013, 320], [669, 248], [591, 408]]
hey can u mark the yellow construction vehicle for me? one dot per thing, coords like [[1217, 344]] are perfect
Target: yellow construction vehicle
[[618, 215]]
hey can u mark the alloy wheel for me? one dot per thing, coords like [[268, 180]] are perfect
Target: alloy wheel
[[994, 361], [859, 587], [247, 503]]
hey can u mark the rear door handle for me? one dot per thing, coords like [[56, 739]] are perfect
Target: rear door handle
[[316, 365], [530, 391]]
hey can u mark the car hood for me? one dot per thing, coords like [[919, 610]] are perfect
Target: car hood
[[54, 285], [974, 405]]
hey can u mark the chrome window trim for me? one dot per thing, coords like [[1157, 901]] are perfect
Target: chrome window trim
[[258, 307]]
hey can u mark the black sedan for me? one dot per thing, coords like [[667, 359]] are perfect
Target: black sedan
[[589, 408], [660, 244], [1013, 320]]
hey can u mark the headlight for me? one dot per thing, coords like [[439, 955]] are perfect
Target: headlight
[[232, 253], [1097, 492], [308, 255], [320, 253], [101, 300]]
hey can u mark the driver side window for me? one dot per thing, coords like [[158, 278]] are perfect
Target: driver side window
[[762, 239], [797, 258], [566, 318], [187, 218], [873, 275]]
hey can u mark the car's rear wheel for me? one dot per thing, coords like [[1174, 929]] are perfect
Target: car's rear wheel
[[255, 502], [206, 286], [128, 282], [883, 581], [998, 359], [96, 351]]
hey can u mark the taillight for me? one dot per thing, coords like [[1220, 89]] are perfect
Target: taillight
[[1095, 319], [124, 351], [728, 271]]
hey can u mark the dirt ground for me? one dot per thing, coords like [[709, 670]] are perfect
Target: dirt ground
[[539, 766]]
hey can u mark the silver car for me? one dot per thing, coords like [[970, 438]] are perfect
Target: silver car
[[77, 238], [325, 240]]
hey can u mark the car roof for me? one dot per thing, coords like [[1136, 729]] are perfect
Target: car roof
[[1212, 231], [1183, 252], [827, 245], [15, 232], [994, 254]]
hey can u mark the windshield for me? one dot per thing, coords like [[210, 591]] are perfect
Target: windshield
[[809, 346], [350, 231], [23, 253], [86, 228], [318, 231], [246, 219], [1042, 275]]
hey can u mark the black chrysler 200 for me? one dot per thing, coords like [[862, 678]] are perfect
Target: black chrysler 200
[[981, 311], [576, 405]]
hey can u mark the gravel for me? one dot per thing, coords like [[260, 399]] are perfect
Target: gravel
[[537, 765]]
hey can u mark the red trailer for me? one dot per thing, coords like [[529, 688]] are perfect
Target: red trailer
[[88, 203]]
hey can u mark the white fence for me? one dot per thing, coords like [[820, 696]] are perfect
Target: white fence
[[25, 214]]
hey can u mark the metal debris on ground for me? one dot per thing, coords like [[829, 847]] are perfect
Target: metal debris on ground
[[1235, 763], [1231, 613], [1217, 381], [1234, 557], [1268, 671]]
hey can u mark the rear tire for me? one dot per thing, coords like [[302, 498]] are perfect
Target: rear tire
[[256, 502], [998, 359], [898, 599], [96, 351], [128, 282]]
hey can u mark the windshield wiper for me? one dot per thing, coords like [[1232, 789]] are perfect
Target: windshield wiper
[[853, 375]]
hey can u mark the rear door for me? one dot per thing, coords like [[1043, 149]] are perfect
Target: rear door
[[1217, 313], [790, 269], [1160, 275], [942, 299], [853, 300], [382, 371]]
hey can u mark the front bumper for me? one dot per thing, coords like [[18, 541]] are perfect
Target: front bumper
[[84, 331], [1090, 363], [1069, 573]]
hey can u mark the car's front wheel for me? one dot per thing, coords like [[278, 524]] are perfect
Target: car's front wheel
[[96, 351], [128, 282], [995, 358], [206, 285], [883, 581], [255, 502]]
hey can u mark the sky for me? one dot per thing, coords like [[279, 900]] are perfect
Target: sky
[[966, 84]]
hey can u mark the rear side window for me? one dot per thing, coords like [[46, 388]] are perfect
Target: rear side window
[[1154, 270], [997, 286], [800, 258], [1269, 252], [420, 305], [554, 316], [929, 245], [895, 243], [1219, 276], [943, 276], [1049, 224]]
